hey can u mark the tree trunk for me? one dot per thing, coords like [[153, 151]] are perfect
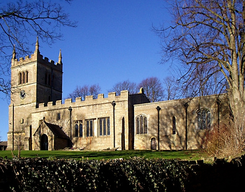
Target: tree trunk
[[237, 105]]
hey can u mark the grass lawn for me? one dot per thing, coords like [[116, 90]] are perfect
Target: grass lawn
[[182, 155]]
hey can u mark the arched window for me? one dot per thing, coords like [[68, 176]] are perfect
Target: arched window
[[145, 125], [108, 126], [137, 125], [203, 119], [23, 77], [174, 125], [46, 78], [76, 131], [26, 76], [80, 129], [141, 124], [20, 78]]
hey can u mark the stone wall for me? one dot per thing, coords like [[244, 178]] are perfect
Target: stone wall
[[89, 109], [187, 133]]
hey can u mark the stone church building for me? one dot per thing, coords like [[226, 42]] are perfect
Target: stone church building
[[38, 120]]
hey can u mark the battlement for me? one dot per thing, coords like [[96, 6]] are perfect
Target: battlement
[[89, 100], [35, 57]]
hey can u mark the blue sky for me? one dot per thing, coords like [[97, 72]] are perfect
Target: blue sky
[[113, 42]]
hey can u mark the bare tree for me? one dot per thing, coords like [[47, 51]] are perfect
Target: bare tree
[[210, 35], [94, 90], [172, 86], [153, 88], [85, 91], [125, 85], [22, 19], [197, 84]]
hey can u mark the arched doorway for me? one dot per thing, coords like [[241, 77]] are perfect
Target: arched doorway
[[44, 142], [153, 144]]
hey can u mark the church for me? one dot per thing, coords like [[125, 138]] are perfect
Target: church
[[39, 120]]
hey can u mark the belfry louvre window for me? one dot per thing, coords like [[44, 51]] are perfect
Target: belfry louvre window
[[104, 126], [78, 131], [141, 124], [203, 119], [23, 77], [89, 127]]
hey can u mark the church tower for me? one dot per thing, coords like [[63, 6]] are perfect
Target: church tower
[[34, 80]]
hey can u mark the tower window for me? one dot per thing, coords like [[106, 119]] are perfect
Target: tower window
[[20, 78], [47, 79], [58, 116], [26, 76], [23, 77]]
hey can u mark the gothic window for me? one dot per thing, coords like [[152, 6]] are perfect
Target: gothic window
[[104, 126], [26, 76], [47, 79], [76, 131], [20, 78], [174, 125], [58, 116], [80, 129], [141, 124], [23, 77], [137, 125], [203, 119], [145, 125], [89, 128], [108, 126]]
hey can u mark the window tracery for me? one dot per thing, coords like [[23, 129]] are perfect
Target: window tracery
[[141, 124]]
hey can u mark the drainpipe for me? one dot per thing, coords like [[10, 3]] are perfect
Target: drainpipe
[[114, 134], [186, 125], [158, 126], [13, 129], [70, 109]]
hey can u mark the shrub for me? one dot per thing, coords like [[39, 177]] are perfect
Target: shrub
[[135, 174], [223, 141]]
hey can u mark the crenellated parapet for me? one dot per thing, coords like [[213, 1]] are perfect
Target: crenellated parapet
[[89, 100], [36, 57]]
